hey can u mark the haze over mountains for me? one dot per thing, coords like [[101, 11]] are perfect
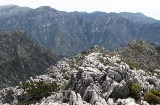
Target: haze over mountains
[[68, 33]]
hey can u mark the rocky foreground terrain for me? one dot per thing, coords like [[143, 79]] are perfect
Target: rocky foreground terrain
[[95, 77]]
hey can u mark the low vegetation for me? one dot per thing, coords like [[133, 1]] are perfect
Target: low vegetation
[[152, 97], [129, 90], [35, 91], [132, 65]]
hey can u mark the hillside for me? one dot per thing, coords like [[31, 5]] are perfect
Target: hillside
[[94, 77], [21, 58], [141, 54], [68, 33]]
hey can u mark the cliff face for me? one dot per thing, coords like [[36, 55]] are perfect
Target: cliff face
[[21, 58], [72, 32]]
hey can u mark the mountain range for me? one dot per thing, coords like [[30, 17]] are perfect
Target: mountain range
[[68, 33], [118, 60]]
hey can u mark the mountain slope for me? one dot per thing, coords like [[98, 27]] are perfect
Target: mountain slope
[[141, 54], [72, 32], [21, 58]]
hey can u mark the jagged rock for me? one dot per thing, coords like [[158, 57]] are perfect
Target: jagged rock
[[110, 101], [92, 82], [79, 99], [128, 101], [54, 99], [144, 103], [73, 98], [157, 71]]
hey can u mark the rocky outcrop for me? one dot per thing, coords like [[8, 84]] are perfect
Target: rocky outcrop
[[91, 78]]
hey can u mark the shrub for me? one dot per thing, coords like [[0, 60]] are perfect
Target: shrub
[[149, 96], [157, 100], [132, 65], [37, 90], [152, 97], [158, 48], [101, 59], [135, 89], [121, 92], [118, 62], [84, 52], [156, 92], [66, 77], [151, 71], [129, 83], [67, 86]]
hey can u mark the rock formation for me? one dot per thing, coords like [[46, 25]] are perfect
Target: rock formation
[[96, 77]]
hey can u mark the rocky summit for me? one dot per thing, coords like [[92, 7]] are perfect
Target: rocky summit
[[94, 77]]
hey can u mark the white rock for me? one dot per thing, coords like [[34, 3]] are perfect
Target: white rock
[[73, 98], [144, 102], [110, 101]]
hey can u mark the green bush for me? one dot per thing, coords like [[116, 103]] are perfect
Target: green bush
[[149, 96], [132, 65], [121, 92], [156, 92], [37, 90], [129, 83], [135, 89], [129, 90], [158, 48], [151, 71], [84, 52], [152, 97], [65, 77], [101, 59], [67, 86]]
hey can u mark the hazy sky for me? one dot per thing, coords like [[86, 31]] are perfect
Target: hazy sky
[[150, 8]]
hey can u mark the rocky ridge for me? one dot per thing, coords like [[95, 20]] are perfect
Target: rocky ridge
[[96, 77], [142, 53]]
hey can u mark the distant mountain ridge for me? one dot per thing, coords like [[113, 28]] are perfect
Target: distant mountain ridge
[[68, 33], [138, 17], [21, 57]]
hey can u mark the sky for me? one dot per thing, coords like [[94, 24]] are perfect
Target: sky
[[150, 8]]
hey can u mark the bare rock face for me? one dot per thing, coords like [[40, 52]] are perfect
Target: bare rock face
[[91, 78]]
